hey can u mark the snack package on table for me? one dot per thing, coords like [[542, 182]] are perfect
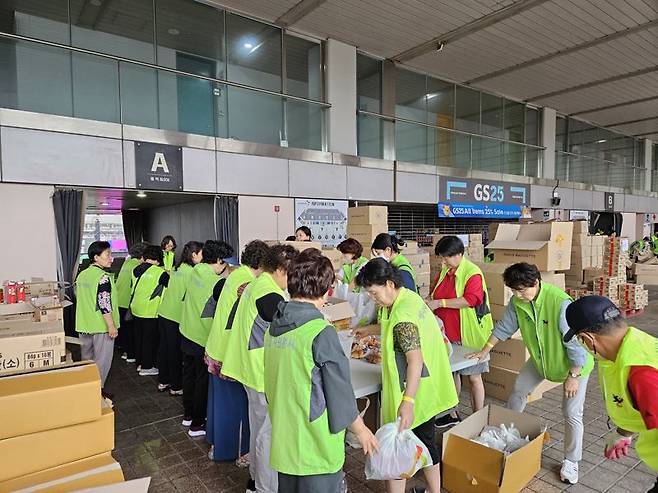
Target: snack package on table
[[368, 348]]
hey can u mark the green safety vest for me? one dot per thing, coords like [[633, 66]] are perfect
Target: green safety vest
[[171, 306], [436, 390], [475, 327], [88, 317], [637, 349], [168, 260], [243, 360], [401, 262], [147, 293], [220, 330], [123, 281], [351, 270], [539, 322], [302, 444], [199, 305]]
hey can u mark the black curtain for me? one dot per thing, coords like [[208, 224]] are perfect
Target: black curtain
[[133, 226], [606, 223], [68, 209], [226, 221]]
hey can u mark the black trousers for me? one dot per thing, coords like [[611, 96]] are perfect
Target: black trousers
[[127, 333], [195, 383], [170, 356], [146, 341]]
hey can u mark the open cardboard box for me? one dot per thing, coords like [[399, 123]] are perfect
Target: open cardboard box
[[28, 345], [337, 309], [471, 467], [547, 245]]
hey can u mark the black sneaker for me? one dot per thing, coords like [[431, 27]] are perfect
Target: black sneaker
[[446, 421], [251, 486]]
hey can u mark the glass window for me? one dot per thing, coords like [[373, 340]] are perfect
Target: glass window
[[514, 163], [487, 154], [468, 109], [118, 27], [36, 19], [492, 115], [440, 103], [254, 117], [190, 31], [576, 129], [139, 95], [411, 143], [370, 136], [254, 53], [304, 125], [514, 121], [560, 134], [532, 126], [104, 227], [410, 95], [303, 68], [368, 83], [95, 87], [185, 103]]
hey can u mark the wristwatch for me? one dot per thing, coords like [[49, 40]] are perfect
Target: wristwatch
[[575, 375]]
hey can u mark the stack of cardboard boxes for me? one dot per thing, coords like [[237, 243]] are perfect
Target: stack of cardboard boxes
[[645, 274], [57, 433], [633, 297], [615, 260], [365, 223], [586, 256], [473, 246], [420, 262]]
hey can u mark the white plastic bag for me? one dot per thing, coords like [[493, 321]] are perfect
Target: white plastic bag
[[364, 308], [351, 438], [502, 438], [400, 456]]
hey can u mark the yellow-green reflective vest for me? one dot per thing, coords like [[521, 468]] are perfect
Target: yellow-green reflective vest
[[171, 306], [476, 323], [539, 322], [88, 317], [401, 262], [243, 360], [637, 349], [302, 443], [220, 331], [436, 390], [199, 305], [147, 293], [123, 281]]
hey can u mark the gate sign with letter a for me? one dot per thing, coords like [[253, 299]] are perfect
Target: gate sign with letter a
[[158, 166]]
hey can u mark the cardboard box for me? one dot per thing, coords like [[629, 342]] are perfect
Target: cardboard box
[[36, 289], [140, 485], [369, 214], [371, 230], [27, 454], [16, 311], [337, 309], [646, 280], [471, 467], [335, 256], [497, 311], [366, 241], [29, 345], [499, 384], [511, 354], [25, 398], [581, 240], [298, 245], [99, 470], [580, 227], [410, 247], [547, 245], [500, 294]]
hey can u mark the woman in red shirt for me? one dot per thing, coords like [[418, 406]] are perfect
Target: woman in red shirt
[[459, 288]]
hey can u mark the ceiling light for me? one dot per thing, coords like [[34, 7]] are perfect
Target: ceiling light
[[96, 3], [431, 95], [105, 204], [173, 31], [133, 208], [601, 141], [439, 46], [249, 46], [141, 195]]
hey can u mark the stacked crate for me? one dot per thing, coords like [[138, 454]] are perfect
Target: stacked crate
[[420, 262], [586, 256], [633, 297], [608, 287], [365, 223]]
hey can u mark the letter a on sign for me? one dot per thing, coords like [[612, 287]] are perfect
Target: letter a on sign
[[159, 161]]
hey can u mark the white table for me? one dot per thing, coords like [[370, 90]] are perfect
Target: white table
[[367, 377]]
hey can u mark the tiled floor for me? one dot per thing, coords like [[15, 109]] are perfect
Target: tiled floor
[[151, 442]]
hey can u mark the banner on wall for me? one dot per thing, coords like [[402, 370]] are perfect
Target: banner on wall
[[472, 198], [577, 215], [327, 219]]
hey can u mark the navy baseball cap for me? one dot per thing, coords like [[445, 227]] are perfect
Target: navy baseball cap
[[587, 313], [232, 261]]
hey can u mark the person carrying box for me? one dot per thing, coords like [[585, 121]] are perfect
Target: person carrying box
[[538, 309]]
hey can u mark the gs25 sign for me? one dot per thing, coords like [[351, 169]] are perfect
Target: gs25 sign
[[468, 190], [489, 193]]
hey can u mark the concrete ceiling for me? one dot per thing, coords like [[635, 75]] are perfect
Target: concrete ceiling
[[594, 58]]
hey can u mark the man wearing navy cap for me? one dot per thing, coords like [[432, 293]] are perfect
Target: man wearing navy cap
[[628, 374]]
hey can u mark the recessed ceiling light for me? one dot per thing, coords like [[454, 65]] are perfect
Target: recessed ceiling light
[[133, 208], [173, 31], [96, 3], [601, 141], [105, 204], [141, 195]]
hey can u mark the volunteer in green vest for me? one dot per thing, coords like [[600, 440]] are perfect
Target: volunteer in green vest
[[123, 287], [168, 245], [628, 375], [460, 300], [417, 382], [388, 247], [148, 285], [353, 260], [203, 290], [228, 417], [97, 309], [243, 359], [170, 357], [302, 347], [538, 309]]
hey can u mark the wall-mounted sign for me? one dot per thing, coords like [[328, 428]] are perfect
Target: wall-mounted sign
[[327, 219], [468, 197], [575, 215], [609, 198], [158, 166]]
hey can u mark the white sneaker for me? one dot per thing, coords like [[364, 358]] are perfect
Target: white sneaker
[[175, 392], [187, 422], [569, 472], [197, 431], [162, 387], [130, 360], [148, 372], [124, 356]]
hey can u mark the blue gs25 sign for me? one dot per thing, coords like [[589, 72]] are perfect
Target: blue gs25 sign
[[467, 197]]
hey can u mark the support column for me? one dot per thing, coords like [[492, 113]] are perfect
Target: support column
[[388, 108], [548, 122], [341, 94], [648, 147]]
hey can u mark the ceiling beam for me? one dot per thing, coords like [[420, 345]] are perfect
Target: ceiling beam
[[617, 105], [648, 119], [646, 134], [297, 12], [467, 29], [566, 51], [594, 83]]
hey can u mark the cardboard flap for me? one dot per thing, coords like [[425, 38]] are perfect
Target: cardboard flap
[[516, 245], [488, 467], [507, 232], [522, 465]]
